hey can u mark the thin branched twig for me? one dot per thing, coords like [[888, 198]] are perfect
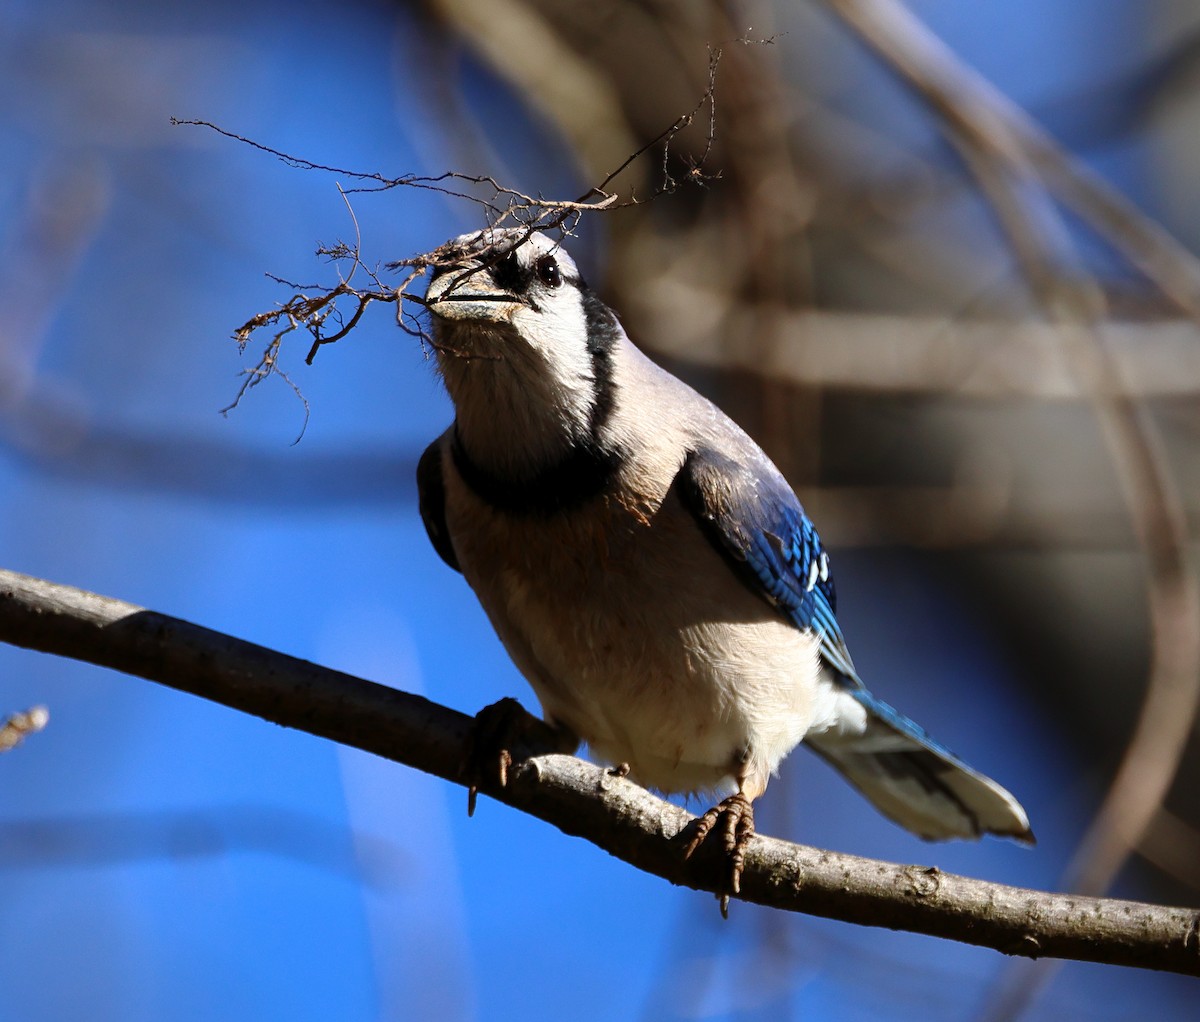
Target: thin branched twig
[[314, 308]]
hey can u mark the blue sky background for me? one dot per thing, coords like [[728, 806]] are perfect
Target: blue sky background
[[164, 858]]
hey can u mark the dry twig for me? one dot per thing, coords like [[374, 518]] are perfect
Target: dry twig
[[314, 308]]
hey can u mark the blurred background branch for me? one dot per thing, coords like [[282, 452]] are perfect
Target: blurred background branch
[[873, 283], [999, 156]]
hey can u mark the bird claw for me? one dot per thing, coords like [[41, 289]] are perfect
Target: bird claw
[[487, 758], [503, 762], [501, 735], [737, 812]]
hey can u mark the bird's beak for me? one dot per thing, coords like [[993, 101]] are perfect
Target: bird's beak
[[469, 293]]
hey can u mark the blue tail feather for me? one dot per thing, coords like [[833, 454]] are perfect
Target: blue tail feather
[[917, 781]]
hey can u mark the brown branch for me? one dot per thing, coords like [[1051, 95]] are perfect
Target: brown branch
[[1016, 167], [959, 96], [996, 144], [585, 800]]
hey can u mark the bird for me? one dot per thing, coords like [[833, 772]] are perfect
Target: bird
[[646, 566]]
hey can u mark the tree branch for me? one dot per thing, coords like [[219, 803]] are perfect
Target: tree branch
[[1016, 166], [585, 800]]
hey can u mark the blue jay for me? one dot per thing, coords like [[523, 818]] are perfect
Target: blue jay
[[646, 566]]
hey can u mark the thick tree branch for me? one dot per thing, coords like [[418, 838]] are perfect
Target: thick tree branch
[[585, 800]]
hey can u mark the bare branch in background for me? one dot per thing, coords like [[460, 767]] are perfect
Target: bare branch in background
[[889, 28], [1173, 846], [1014, 166], [584, 800]]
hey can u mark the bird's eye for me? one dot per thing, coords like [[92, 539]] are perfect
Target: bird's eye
[[548, 271]]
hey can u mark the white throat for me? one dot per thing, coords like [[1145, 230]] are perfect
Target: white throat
[[515, 416]]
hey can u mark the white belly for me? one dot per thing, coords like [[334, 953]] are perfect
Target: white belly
[[637, 635]]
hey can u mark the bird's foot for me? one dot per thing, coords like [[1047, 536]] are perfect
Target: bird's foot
[[502, 734], [737, 811], [487, 756]]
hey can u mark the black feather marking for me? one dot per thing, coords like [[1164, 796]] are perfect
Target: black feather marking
[[590, 464], [925, 767], [431, 500], [582, 474], [603, 333]]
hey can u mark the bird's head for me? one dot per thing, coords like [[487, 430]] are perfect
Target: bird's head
[[490, 276], [525, 347]]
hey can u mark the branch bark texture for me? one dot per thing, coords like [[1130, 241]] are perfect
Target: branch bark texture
[[585, 800]]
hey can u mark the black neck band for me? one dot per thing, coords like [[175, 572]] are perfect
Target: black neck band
[[582, 474]]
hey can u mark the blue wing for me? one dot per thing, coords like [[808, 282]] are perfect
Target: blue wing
[[752, 517], [756, 522]]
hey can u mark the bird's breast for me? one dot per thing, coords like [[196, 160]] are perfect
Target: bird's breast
[[635, 633]]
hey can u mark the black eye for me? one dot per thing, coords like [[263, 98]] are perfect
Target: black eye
[[548, 271]]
